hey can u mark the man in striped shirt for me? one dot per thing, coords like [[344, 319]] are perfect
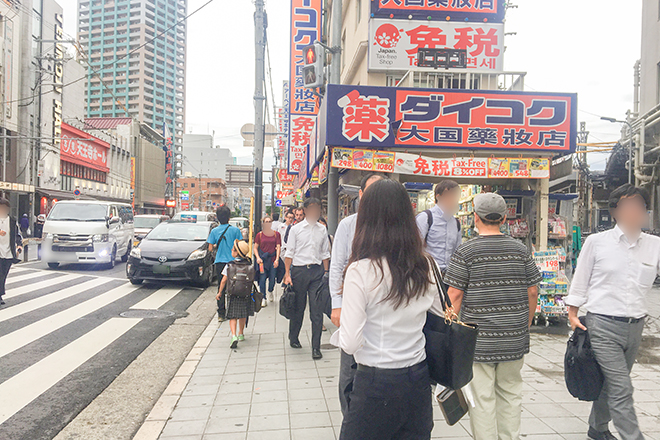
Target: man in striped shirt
[[493, 283]]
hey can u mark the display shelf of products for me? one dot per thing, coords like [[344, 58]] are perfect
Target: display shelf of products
[[554, 286]]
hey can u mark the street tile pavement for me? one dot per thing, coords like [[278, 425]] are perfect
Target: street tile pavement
[[266, 390]]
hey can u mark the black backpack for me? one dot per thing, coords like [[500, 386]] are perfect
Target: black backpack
[[240, 278], [429, 220], [584, 378]]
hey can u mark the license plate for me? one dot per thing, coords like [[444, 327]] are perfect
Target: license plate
[[161, 269]]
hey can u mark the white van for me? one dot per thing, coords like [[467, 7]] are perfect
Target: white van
[[82, 231]]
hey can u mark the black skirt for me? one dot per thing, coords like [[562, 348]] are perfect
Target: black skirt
[[239, 307]]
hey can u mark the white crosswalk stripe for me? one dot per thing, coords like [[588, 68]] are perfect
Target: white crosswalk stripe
[[26, 277], [28, 288], [158, 299], [43, 301], [38, 378]]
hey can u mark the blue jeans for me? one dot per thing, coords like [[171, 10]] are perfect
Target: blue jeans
[[268, 274]]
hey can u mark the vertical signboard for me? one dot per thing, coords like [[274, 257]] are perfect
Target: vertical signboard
[[168, 148], [9, 43], [283, 127], [303, 104]]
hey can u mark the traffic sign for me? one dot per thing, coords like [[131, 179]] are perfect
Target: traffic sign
[[278, 203], [76, 192], [209, 202]]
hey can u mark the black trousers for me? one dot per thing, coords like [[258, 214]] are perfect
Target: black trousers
[[389, 405], [306, 283], [5, 265], [219, 267]]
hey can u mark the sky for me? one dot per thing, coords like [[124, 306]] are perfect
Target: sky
[[587, 46]]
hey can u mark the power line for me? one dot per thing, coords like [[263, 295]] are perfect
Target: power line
[[128, 54]]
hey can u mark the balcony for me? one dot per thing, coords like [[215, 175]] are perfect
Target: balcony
[[461, 79]]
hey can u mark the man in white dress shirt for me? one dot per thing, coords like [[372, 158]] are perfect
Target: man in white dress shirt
[[341, 252], [307, 260], [615, 272]]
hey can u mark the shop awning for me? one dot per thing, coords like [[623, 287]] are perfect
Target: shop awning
[[349, 190], [61, 195]]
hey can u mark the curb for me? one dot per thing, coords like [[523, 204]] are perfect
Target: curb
[[162, 410]]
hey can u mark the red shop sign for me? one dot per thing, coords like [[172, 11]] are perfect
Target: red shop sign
[[84, 149]]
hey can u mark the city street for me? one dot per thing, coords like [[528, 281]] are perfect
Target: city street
[[66, 334], [266, 390]]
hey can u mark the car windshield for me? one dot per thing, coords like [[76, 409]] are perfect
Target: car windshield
[[179, 232], [146, 222], [77, 212]]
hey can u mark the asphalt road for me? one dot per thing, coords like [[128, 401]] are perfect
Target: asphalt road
[[65, 336]]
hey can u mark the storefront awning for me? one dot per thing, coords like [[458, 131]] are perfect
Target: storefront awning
[[61, 195]]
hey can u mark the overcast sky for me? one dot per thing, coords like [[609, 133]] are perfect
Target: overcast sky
[[586, 46]]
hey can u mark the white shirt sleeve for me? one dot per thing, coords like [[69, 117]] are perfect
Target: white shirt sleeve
[[325, 245], [291, 243], [582, 276], [353, 312], [341, 251], [224, 270], [422, 220]]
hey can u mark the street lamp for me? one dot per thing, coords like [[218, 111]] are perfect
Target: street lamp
[[630, 144]]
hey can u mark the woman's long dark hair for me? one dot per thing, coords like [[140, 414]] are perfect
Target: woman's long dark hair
[[386, 228]]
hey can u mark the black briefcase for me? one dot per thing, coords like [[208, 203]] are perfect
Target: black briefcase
[[583, 376], [287, 302]]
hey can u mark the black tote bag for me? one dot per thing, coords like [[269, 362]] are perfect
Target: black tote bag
[[450, 343], [583, 376]]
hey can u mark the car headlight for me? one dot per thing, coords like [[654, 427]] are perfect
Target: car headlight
[[198, 254], [100, 238], [136, 253]]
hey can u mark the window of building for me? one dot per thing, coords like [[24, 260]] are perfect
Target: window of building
[[185, 185], [192, 185]]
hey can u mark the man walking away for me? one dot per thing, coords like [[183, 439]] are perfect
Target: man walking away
[[614, 274], [307, 260], [25, 225], [493, 283], [11, 244], [276, 221], [341, 253], [440, 231], [222, 237]]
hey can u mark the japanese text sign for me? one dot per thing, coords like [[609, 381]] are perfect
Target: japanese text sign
[[83, 149], [415, 164], [303, 104], [393, 44], [387, 117], [454, 10]]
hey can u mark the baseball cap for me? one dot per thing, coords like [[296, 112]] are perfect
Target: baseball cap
[[490, 206]]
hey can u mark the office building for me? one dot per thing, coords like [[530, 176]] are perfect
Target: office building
[[200, 157]]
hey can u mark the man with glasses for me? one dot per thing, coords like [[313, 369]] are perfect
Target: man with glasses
[[284, 228], [614, 274]]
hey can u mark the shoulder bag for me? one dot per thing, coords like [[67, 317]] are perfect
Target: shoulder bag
[[450, 343]]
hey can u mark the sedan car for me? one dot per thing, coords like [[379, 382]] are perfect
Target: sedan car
[[144, 223], [176, 251]]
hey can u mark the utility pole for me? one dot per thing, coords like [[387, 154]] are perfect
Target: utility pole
[[259, 102], [334, 78], [582, 178], [272, 191]]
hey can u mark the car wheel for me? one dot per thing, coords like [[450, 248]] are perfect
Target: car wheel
[[53, 265], [135, 281], [124, 258]]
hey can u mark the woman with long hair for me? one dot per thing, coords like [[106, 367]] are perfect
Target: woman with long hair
[[388, 288]]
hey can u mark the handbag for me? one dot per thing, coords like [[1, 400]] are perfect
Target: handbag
[[583, 376], [450, 343], [288, 302]]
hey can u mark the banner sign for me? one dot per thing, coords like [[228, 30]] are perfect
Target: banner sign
[[458, 167], [393, 44], [283, 127], [282, 176], [303, 104], [388, 117], [81, 148], [454, 10]]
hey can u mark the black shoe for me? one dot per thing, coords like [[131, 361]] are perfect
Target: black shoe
[[600, 435], [296, 344], [316, 354], [2, 302]]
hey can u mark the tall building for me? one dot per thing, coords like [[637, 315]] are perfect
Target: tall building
[[201, 158], [138, 48]]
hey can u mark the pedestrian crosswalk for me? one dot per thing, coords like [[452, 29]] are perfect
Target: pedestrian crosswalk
[[83, 311]]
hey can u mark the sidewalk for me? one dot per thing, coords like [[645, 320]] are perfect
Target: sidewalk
[[265, 390]]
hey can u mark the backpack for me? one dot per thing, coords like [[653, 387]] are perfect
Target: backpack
[[240, 278], [429, 219]]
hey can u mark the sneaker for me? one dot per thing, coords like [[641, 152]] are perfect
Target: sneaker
[[234, 342], [2, 302], [600, 435], [270, 296], [221, 319], [241, 338], [264, 303]]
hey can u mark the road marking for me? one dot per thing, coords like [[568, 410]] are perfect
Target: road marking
[[16, 291], [41, 376], [24, 336], [27, 277], [17, 270], [42, 301], [159, 298]]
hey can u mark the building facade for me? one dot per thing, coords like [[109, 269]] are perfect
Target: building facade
[[201, 194], [139, 75], [200, 157]]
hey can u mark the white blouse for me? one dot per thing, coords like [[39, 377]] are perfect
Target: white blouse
[[371, 329]]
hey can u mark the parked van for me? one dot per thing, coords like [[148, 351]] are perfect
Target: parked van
[[91, 232]]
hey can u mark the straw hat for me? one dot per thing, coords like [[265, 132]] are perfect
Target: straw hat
[[242, 248]]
